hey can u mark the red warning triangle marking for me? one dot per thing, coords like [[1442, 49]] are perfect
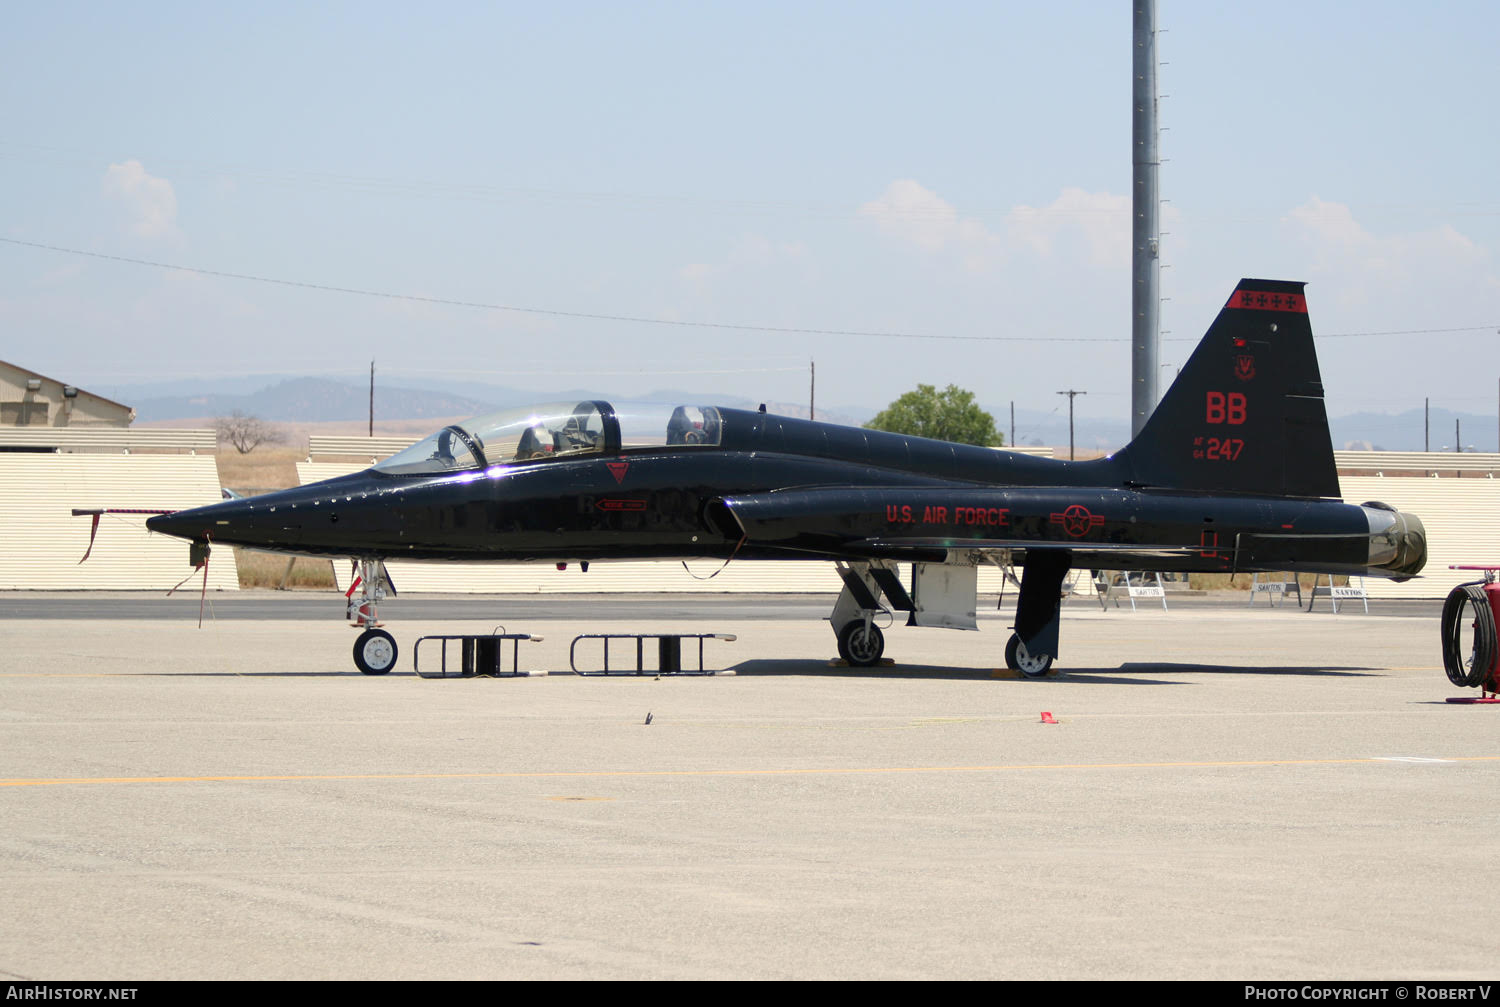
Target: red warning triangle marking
[[618, 470]]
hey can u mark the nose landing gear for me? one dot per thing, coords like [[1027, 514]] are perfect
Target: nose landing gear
[[375, 651]]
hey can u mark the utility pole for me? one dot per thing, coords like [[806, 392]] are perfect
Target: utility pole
[[1012, 422], [1071, 394], [1426, 424], [372, 398]]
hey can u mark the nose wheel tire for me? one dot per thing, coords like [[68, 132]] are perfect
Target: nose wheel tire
[[1018, 658], [375, 652], [861, 645]]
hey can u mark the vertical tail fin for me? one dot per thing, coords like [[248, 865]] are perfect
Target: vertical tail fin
[[1246, 412]]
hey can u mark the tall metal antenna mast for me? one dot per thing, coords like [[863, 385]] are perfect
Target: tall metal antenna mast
[[1145, 291]]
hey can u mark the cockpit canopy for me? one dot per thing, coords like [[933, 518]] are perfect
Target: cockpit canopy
[[557, 430]]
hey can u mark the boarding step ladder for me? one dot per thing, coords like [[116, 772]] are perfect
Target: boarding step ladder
[[1333, 594], [1275, 590], [1108, 585]]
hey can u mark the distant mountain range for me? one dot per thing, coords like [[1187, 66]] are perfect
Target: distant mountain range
[[290, 399], [284, 399], [307, 400]]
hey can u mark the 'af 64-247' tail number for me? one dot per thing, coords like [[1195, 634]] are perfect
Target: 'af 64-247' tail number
[[1214, 449]]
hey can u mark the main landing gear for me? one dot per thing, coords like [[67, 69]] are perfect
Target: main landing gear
[[1018, 658], [861, 643], [375, 651], [1033, 646]]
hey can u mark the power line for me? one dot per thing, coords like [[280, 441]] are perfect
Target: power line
[[646, 320], [556, 313]]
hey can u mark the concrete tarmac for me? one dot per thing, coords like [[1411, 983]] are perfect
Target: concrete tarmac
[[1226, 794]]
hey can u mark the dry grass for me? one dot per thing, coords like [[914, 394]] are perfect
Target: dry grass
[[1241, 581], [264, 469], [263, 569]]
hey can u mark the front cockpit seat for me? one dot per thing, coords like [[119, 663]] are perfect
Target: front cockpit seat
[[683, 430]]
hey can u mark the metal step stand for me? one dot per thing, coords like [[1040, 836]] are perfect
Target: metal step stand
[[1333, 594], [1108, 585], [480, 655], [668, 653], [1275, 590]]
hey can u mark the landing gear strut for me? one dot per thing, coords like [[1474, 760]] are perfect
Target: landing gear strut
[[375, 651], [1033, 646], [861, 643]]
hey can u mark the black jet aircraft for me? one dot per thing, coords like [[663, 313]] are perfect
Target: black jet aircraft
[[1233, 473]]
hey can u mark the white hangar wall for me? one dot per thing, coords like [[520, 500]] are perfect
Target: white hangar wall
[[1462, 518], [43, 541]]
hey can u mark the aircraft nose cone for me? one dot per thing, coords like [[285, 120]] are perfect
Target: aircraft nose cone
[[181, 524]]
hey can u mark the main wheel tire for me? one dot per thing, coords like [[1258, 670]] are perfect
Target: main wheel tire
[[375, 652], [861, 645], [1018, 658]]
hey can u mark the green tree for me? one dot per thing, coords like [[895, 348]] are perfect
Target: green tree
[[949, 415]]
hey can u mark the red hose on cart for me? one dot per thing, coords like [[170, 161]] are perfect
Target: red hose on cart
[[1477, 667]]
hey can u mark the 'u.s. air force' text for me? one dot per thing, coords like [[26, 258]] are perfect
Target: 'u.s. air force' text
[[996, 517]]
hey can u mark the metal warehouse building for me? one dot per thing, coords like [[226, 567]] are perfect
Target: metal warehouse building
[[63, 448]]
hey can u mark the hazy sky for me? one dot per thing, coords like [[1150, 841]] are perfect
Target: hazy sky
[[942, 169]]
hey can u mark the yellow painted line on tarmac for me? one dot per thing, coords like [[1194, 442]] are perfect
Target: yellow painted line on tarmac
[[647, 773]]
